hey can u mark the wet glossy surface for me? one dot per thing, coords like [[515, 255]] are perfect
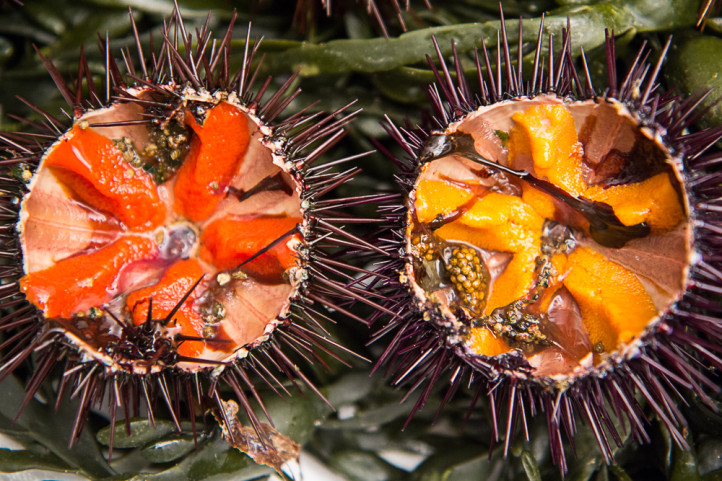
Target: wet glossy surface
[[144, 226], [552, 287]]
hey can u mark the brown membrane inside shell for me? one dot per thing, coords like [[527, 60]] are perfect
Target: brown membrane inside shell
[[510, 267], [105, 228]]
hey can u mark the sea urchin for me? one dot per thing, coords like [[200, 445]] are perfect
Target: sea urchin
[[171, 236], [557, 247]]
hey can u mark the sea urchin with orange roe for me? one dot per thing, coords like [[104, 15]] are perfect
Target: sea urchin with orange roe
[[167, 241], [556, 247]]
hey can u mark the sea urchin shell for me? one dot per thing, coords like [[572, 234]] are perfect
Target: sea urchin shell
[[173, 237], [558, 246]]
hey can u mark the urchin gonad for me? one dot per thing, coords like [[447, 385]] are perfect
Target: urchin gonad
[[149, 228], [556, 246], [166, 240]]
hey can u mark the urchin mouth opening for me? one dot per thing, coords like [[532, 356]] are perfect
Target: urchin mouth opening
[[508, 269], [182, 202]]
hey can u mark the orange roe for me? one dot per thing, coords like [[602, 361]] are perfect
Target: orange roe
[[615, 306], [483, 341]]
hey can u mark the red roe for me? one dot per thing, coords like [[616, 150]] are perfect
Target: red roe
[[217, 149], [172, 226], [221, 245], [80, 282], [92, 167], [165, 295]]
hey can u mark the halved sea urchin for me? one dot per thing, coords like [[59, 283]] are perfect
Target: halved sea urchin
[[171, 235], [557, 246]]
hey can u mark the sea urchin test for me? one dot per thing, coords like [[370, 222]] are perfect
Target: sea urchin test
[[163, 241], [181, 231], [554, 247], [532, 225]]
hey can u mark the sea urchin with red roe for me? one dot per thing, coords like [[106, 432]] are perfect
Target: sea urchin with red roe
[[166, 240]]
